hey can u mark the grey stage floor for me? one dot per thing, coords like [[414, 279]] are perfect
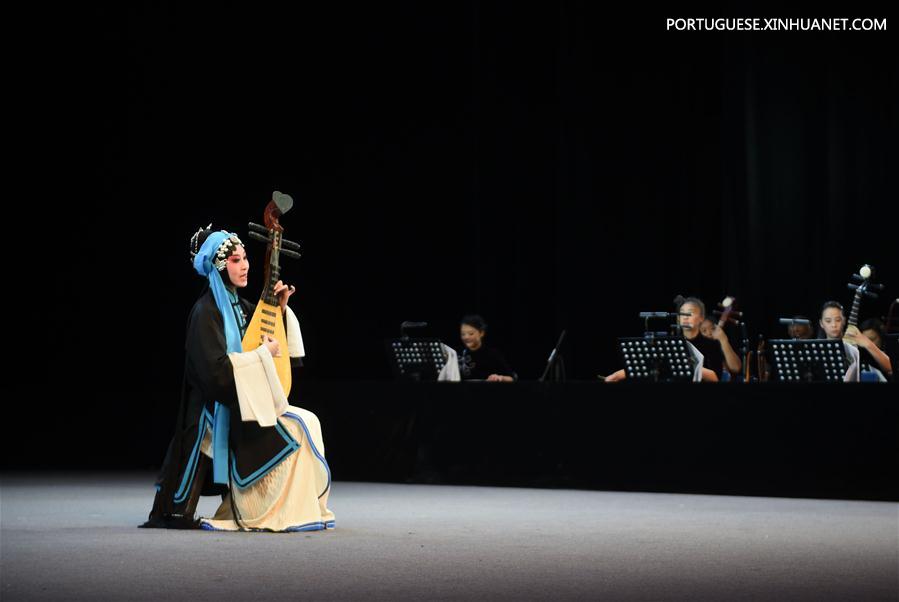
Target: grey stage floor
[[75, 537]]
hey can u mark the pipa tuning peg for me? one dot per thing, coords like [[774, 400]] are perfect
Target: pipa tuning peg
[[282, 201]]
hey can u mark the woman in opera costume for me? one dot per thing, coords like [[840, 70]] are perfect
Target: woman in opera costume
[[236, 436]]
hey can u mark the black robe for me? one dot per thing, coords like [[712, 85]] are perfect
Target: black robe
[[209, 378]]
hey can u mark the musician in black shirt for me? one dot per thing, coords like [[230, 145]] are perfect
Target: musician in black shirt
[[873, 354], [477, 361], [717, 352]]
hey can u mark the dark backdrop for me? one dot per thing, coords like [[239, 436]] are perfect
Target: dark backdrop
[[551, 166]]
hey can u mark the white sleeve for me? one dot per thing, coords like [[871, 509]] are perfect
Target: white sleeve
[[259, 391], [852, 373], [294, 336]]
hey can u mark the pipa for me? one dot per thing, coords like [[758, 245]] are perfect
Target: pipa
[[268, 319]]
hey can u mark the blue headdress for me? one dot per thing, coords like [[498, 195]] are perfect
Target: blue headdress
[[208, 260]]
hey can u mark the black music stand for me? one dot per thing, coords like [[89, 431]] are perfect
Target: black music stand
[[555, 365], [657, 358], [807, 360], [416, 358]]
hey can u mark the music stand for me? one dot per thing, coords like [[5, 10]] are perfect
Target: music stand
[[807, 360], [555, 363], [657, 358], [416, 358]]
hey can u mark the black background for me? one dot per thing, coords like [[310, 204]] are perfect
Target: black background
[[549, 165]]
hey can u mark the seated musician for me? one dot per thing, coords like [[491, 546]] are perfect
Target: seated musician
[[718, 354], [831, 325], [706, 328], [873, 358], [478, 361], [801, 331]]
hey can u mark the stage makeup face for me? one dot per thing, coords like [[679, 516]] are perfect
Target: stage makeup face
[[238, 267], [471, 337], [832, 322]]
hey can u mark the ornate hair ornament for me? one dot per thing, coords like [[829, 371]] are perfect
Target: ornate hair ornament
[[225, 250], [221, 254], [195, 242]]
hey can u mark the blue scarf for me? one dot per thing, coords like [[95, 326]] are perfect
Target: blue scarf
[[221, 420]]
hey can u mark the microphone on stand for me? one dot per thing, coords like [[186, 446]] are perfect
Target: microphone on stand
[[407, 325]]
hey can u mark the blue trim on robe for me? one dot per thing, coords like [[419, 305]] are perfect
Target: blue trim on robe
[[316, 526], [191, 470], [292, 446], [221, 427], [314, 449]]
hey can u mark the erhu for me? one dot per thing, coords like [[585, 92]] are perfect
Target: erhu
[[862, 285], [268, 320], [728, 314]]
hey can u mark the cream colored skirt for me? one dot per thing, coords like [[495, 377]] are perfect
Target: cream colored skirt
[[293, 496]]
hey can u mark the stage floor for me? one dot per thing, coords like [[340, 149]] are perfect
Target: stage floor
[[74, 537]]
